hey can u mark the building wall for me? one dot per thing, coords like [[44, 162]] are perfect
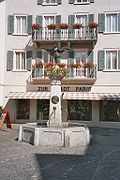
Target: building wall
[[14, 81], [2, 48]]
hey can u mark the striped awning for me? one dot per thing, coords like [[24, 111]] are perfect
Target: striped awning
[[91, 96], [28, 95]]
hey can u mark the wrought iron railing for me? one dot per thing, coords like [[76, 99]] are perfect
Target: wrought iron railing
[[80, 72], [84, 33]]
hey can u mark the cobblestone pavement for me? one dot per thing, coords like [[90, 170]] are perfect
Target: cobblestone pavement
[[99, 161]]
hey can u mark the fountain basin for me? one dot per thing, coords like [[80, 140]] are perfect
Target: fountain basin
[[68, 135]]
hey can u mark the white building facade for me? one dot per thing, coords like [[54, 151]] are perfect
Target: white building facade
[[90, 95]]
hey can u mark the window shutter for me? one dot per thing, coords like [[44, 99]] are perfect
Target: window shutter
[[71, 1], [9, 60], [10, 24], [119, 59], [29, 24], [58, 31], [119, 22], [39, 32], [39, 2], [90, 56], [101, 22], [29, 60], [101, 59], [71, 31], [91, 1], [91, 18], [59, 1], [70, 61]]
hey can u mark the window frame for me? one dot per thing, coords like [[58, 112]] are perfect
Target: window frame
[[112, 50], [110, 14], [15, 60], [80, 3], [15, 24], [49, 3]]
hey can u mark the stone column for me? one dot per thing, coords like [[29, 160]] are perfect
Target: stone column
[[55, 104]]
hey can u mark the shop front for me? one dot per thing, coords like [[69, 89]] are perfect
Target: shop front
[[93, 109]]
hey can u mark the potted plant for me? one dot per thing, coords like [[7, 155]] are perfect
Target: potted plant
[[55, 73], [93, 25], [51, 26], [63, 26], [74, 65], [39, 64], [88, 64], [36, 26], [77, 26], [61, 65], [49, 65]]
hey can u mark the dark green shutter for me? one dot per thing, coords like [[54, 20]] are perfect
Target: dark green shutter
[[119, 22], [91, 1], [91, 18], [119, 59], [39, 2], [101, 22], [59, 1], [29, 60], [58, 31], [71, 31], [29, 24], [90, 56], [39, 32], [101, 60], [70, 61], [71, 1], [9, 60], [10, 24]]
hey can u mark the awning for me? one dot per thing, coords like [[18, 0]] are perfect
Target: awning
[[91, 96], [28, 95]]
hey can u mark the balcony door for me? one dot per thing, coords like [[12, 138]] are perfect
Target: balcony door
[[49, 34], [81, 19]]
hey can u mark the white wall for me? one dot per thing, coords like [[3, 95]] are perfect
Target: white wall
[[2, 48]]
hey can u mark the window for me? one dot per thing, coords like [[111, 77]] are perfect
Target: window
[[19, 61], [111, 23], [80, 110], [111, 60], [50, 2], [20, 25], [110, 111], [81, 1], [23, 109]]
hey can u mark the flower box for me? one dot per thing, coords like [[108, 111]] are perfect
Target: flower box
[[88, 64], [39, 64], [74, 65], [63, 26], [51, 26], [93, 25], [77, 26], [36, 26]]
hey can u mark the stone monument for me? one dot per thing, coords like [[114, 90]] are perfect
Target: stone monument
[[56, 133]]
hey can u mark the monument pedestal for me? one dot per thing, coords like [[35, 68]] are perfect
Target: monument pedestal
[[55, 104]]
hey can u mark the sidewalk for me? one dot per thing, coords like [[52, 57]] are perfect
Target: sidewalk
[[22, 161]]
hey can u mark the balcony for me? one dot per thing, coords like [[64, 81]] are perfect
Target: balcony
[[80, 75], [64, 37]]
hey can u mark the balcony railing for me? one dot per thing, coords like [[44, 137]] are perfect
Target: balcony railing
[[72, 72], [85, 33]]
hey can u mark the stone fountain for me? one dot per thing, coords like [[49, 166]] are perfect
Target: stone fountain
[[56, 132]]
